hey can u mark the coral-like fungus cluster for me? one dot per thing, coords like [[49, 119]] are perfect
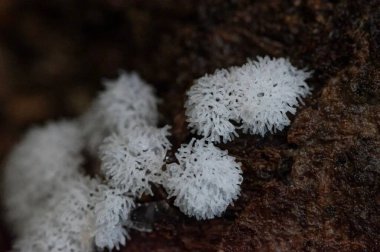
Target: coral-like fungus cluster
[[54, 206], [257, 96]]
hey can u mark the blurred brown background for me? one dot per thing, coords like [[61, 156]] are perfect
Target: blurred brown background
[[313, 187]]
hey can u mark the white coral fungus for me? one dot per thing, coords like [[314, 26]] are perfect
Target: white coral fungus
[[258, 95], [46, 197], [64, 222], [53, 206], [36, 167], [275, 89], [134, 158], [127, 101], [112, 209], [212, 103], [205, 180]]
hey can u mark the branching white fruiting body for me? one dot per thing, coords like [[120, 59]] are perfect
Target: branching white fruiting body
[[257, 95], [205, 180], [134, 158], [126, 102]]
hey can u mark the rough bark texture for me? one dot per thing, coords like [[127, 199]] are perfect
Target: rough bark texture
[[313, 187]]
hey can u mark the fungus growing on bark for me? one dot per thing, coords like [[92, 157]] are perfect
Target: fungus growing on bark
[[257, 96]]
